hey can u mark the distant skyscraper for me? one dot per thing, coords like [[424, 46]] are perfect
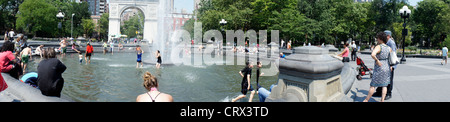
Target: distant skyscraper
[[96, 7]]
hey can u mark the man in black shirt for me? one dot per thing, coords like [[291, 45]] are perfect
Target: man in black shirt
[[50, 80]]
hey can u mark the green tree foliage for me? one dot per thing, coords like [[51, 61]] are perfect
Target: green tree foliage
[[81, 12], [397, 34], [330, 21], [88, 26], [8, 11], [104, 26], [289, 21], [431, 17], [37, 17], [446, 43], [135, 23]]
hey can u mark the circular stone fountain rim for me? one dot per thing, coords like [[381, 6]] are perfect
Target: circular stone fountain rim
[[311, 60]]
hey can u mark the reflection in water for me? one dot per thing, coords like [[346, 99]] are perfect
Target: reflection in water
[[116, 78]]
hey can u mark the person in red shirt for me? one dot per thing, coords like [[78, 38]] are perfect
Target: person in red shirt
[[89, 51], [9, 63]]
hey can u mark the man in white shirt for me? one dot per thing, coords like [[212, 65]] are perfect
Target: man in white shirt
[[11, 34], [354, 49], [444, 55]]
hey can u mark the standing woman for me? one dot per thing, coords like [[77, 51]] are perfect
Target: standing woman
[[344, 53], [159, 61], [153, 95], [50, 80], [381, 72]]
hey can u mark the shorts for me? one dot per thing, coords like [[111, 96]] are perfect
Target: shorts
[[139, 60], [25, 58], [81, 60], [244, 89], [444, 57], [88, 54], [345, 59], [64, 49]]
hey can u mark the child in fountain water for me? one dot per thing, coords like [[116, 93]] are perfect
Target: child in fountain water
[[246, 74], [159, 61], [139, 53], [24, 56], [80, 57]]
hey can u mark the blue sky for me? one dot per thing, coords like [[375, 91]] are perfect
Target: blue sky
[[185, 4], [414, 2]]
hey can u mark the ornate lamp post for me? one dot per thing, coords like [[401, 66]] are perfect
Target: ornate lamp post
[[222, 23], [60, 15], [71, 27], [404, 13]]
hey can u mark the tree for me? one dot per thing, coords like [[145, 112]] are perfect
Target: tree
[[430, 17], [264, 10], [104, 24], [397, 34], [289, 21], [81, 11], [8, 12], [88, 26], [133, 25], [37, 17]]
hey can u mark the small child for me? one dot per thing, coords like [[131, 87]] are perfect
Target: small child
[[80, 57]]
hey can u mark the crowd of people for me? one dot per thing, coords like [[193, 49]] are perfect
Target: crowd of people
[[16, 53]]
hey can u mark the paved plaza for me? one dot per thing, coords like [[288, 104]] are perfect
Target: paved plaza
[[419, 80]]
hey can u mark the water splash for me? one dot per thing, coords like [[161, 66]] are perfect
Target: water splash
[[164, 31]]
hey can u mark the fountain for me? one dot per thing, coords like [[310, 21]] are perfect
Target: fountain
[[164, 30], [308, 75]]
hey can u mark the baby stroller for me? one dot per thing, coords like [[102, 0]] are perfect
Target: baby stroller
[[362, 69]]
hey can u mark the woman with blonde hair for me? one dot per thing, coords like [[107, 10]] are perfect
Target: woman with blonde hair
[[153, 95]]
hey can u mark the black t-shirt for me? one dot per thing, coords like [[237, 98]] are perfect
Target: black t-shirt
[[246, 71], [257, 75], [50, 80]]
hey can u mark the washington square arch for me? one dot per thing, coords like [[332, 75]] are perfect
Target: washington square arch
[[148, 7]]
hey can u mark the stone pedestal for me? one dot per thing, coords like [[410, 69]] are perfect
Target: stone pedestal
[[331, 49], [308, 75]]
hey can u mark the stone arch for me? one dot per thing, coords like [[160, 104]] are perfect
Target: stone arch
[[148, 7]]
